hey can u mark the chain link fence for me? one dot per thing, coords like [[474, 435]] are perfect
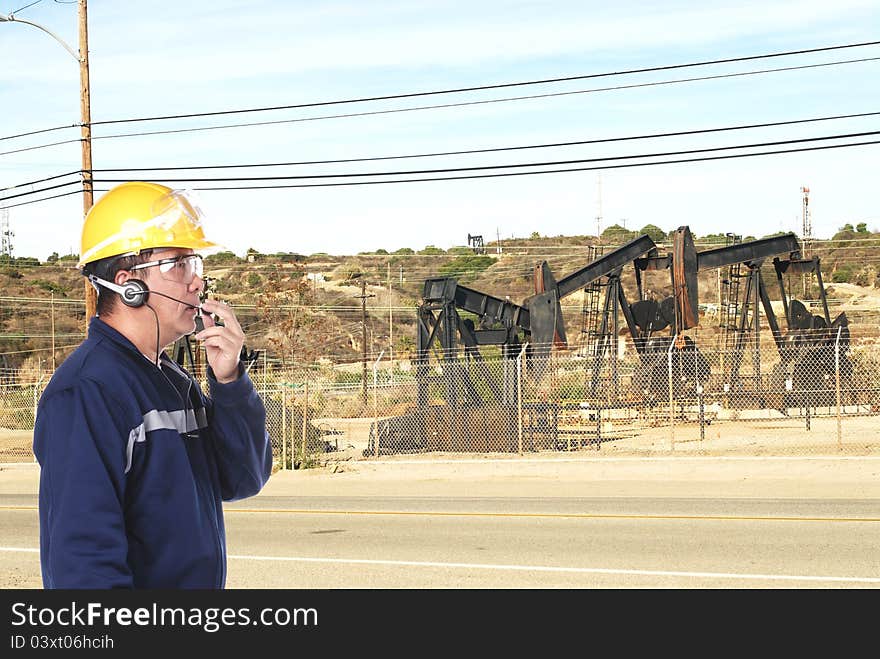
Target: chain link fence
[[816, 394]]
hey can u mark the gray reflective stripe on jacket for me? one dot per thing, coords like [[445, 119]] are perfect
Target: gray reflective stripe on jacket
[[164, 420]]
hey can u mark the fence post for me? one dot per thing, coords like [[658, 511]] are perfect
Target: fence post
[[671, 398], [37, 388], [284, 429], [698, 388], [837, 381], [376, 406], [305, 422], [519, 420]]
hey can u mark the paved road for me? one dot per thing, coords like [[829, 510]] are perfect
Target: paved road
[[404, 542], [638, 524]]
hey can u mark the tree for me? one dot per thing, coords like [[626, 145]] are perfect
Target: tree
[[654, 232], [296, 331], [431, 249], [221, 258], [617, 234], [862, 227], [52, 258], [535, 235], [712, 239]]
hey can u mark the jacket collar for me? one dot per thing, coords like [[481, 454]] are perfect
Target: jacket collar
[[98, 327]]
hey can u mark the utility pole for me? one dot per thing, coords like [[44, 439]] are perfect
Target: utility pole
[[91, 295], [52, 314], [363, 296], [390, 325]]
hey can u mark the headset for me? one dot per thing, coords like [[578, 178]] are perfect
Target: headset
[[134, 292]]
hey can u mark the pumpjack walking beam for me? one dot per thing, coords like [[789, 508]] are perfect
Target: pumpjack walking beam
[[545, 311]]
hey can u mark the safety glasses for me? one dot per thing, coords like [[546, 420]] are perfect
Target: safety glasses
[[177, 206], [182, 269]]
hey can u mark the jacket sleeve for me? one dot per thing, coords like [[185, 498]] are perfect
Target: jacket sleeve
[[80, 439], [242, 447]]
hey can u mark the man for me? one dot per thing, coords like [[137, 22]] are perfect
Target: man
[[135, 460]]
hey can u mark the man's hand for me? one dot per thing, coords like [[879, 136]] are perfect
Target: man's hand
[[222, 342]]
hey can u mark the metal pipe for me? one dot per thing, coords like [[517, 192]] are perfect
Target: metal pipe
[[519, 363], [837, 379], [671, 398]]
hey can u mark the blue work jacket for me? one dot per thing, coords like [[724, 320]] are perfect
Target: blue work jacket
[[135, 462]]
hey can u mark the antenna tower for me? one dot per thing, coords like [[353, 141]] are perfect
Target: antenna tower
[[807, 224], [5, 234]]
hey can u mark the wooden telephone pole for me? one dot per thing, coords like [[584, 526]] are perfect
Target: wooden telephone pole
[[363, 297], [86, 132]]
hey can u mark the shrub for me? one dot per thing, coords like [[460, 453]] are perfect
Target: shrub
[[843, 273], [50, 286], [466, 264]]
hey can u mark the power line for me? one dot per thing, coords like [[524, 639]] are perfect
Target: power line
[[556, 163], [495, 86], [550, 171], [480, 102], [42, 180], [39, 146], [36, 201], [46, 189], [418, 108], [499, 149], [440, 92], [37, 132]]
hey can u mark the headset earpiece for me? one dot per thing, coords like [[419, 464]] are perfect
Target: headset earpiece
[[134, 293]]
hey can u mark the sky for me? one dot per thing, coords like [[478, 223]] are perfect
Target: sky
[[171, 58]]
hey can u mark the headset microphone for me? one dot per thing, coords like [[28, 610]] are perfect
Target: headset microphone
[[134, 292]]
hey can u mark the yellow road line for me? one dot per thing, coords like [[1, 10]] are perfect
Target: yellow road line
[[547, 515], [414, 513]]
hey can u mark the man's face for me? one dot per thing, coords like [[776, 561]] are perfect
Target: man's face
[[176, 279]]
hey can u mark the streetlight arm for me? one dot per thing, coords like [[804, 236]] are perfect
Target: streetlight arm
[[9, 18]]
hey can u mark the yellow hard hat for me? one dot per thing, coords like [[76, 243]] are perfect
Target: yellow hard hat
[[136, 216]]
